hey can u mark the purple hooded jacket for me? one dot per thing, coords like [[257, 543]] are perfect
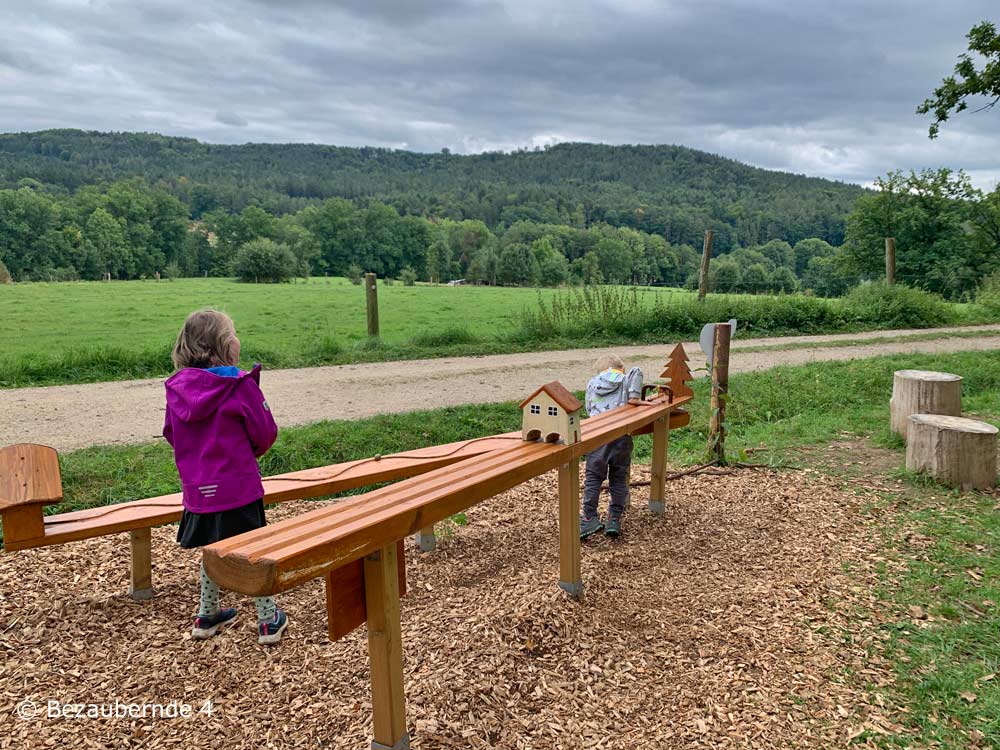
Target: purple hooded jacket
[[218, 426]]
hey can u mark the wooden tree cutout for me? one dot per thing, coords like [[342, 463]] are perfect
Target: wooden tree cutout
[[677, 374]]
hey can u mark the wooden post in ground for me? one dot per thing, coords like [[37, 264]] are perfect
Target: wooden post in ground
[[142, 564], [658, 470], [706, 254], [426, 539], [720, 389], [890, 261], [385, 650], [570, 579], [371, 296]]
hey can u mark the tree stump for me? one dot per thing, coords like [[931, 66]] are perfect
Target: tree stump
[[923, 392], [956, 451]]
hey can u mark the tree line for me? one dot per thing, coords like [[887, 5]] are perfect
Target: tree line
[[669, 191], [947, 235]]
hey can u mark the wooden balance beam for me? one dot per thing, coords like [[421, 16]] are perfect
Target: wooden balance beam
[[356, 544], [30, 480]]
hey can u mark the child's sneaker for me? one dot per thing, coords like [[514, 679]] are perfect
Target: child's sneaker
[[206, 626], [590, 526], [271, 630], [613, 527]]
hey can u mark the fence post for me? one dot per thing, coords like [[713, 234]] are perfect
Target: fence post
[[890, 261], [706, 254], [720, 389], [371, 295]]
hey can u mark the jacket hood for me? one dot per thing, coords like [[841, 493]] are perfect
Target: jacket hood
[[608, 382], [194, 394]]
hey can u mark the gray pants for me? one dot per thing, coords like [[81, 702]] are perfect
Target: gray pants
[[611, 462]]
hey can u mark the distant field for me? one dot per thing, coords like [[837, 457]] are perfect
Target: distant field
[[93, 331], [271, 317]]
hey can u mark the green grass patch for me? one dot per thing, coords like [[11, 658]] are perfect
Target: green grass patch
[[93, 331], [945, 645]]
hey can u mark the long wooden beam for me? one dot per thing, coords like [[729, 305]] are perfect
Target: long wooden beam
[[284, 555], [297, 485]]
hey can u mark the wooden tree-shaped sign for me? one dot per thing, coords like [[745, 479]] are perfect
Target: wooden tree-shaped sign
[[677, 374]]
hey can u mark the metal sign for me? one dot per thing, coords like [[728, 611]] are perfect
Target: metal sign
[[707, 338]]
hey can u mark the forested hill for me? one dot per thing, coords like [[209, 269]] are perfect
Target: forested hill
[[671, 191]]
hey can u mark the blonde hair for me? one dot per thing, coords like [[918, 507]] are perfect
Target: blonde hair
[[609, 361], [204, 340]]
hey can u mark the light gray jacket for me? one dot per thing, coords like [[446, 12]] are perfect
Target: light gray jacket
[[611, 389]]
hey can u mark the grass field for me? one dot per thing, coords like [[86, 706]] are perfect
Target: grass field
[[943, 546], [94, 331]]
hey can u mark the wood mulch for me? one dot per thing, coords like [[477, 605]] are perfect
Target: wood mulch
[[728, 623]]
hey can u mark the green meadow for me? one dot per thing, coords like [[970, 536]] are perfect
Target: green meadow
[[78, 332]]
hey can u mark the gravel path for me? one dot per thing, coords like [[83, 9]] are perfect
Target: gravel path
[[76, 416]]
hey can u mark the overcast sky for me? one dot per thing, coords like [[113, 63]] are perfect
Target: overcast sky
[[821, 87]]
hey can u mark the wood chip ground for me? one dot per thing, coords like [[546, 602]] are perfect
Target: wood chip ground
[[728, 623]]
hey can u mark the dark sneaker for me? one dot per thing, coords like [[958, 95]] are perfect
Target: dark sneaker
[[206, 627], [589, 526], [613, 527], [270, 632]]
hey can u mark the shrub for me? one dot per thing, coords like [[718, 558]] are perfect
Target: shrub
[[265, 261], [988, 293], [896, 306], [609, 313], [408, 276], [5, 277], [388, 281], [172, 271], [355, 274]]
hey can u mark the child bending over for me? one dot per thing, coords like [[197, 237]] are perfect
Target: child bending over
[[611, 388]]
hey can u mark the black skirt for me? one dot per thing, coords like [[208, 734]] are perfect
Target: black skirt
[[199, 529]]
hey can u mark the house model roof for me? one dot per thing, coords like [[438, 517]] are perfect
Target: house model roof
[[557, 391]]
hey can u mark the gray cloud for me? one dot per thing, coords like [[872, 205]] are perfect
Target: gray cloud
[[819, 88]]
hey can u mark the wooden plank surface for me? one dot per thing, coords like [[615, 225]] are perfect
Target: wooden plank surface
[[296, 485], [286, 554]]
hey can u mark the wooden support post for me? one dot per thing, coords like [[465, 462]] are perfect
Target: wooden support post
[[570, 579], [371, 295], [658, 473], [720, 389], [142, 564], [426, 540], [890, 261], [385, 650], [706, 254]]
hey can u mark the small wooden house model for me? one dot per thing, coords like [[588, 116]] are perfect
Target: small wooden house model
[[551, 414]]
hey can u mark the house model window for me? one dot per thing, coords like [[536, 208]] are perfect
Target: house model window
[[553, 411], [536, 409]]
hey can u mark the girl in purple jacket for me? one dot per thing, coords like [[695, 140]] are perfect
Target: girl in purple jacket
[[219, 424]]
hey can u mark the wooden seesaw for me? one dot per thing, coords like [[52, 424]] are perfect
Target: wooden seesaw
[[355, 545]]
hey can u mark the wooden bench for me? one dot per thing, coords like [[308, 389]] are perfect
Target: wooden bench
[[356, 544]]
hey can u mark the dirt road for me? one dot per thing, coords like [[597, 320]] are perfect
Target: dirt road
[[75, 416]]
